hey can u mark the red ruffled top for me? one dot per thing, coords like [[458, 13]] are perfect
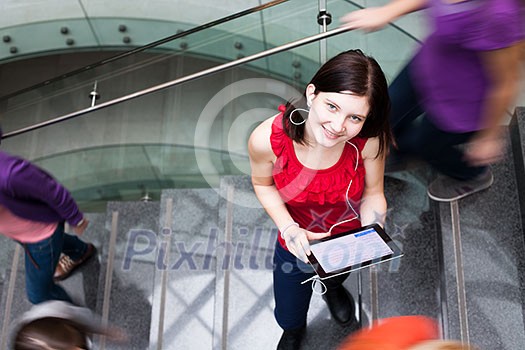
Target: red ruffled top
[[316, 199]]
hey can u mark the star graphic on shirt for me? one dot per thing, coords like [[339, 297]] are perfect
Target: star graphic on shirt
[[318, 220], [347, 215]]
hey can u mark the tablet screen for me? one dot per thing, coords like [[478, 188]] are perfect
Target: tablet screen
[[352, 250]]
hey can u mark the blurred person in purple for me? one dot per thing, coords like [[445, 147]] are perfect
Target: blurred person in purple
[[33, 210], [462, 79]]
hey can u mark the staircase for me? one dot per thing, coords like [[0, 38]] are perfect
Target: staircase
[[193, 271]]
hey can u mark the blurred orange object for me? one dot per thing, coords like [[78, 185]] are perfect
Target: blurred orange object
[[395, 333]]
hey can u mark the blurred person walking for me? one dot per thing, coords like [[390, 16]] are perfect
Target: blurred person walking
[[401, 333], [59, 325], [463, 78], [33, 209]]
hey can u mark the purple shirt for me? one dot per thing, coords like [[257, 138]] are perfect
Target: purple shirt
[[448, 72], [31, 193]]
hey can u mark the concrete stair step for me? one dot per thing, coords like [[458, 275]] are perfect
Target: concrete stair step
[[389, 288], [484, 264], [82, 286], [185, 281], [126, 277], [244, 295]]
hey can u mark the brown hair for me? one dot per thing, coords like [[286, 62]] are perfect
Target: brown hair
[[351, 71], [50, 333]]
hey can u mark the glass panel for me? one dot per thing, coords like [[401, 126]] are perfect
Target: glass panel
[[201, 50], [188, 54], [151, 20], [188, 135], [45, 25]]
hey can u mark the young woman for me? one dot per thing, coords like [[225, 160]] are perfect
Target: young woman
[[317, 169]]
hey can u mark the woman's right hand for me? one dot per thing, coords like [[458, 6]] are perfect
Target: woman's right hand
[[368, 19], [374, 18], [79, 230], [298, 241]]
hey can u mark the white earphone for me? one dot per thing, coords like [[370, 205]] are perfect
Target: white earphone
[[309, 101]]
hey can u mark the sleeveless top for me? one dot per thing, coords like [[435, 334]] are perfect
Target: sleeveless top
[[317, 199]]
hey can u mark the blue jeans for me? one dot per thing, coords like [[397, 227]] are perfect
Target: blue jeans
[[41, 259], [292, 299], [421, 137]]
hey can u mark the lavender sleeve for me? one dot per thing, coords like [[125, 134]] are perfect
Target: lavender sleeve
[[30, 183]]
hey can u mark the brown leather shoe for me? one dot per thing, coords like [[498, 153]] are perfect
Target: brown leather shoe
[[66, 266]]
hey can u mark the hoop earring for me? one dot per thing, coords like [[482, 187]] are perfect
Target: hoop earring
[[301, 122]]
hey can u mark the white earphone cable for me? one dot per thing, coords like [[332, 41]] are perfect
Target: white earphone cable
[[348, 190]]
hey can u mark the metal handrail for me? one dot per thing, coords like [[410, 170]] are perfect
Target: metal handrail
[[149, 46], [181, 80]]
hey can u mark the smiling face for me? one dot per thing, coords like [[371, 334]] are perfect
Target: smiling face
[[334, 117]]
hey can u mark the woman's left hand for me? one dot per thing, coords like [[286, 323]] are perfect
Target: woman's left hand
[[298, 241]]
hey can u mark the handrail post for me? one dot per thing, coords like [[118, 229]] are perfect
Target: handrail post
[[323, 19], [94, 95]]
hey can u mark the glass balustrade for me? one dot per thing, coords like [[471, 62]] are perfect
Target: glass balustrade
[[47, 25], [186, 54], [192, 52], [192, 133]]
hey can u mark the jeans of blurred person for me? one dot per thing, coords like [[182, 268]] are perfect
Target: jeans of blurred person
[[41, 259], [421, 137], [292, 299]]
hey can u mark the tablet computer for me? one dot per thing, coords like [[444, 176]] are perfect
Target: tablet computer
[[352, 250]]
